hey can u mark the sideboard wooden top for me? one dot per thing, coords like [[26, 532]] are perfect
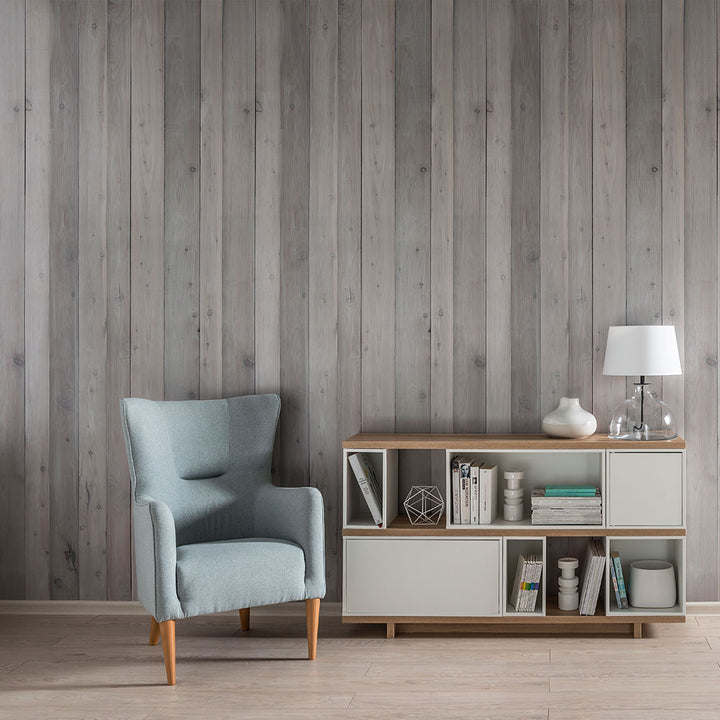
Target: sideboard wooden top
[[439, 441]]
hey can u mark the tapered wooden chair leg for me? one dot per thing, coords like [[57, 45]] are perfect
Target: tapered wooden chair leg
[[154, 632], [167, 632], [244, 619], [312, 611]]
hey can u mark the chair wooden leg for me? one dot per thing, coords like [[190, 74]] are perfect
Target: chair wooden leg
[[312, 611], [244, 619], [167, 632], [154, 632]]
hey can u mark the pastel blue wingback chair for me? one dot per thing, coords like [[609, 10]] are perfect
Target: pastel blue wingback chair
[[212, 533]]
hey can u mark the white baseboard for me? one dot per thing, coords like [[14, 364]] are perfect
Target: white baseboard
[[703, 608]]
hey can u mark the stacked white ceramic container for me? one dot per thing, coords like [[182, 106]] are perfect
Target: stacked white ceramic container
[[513, 506], [567, 584]]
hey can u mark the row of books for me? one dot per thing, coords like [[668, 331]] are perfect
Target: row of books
[[566, 505], [369, 484], [528, 574], [592, 576], [474, 491]]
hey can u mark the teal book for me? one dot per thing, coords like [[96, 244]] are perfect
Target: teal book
[[571, 491], [615, 562]]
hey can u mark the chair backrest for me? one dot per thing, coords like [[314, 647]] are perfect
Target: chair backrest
[[205, 459]]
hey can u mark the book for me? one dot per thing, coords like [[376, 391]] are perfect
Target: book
[[474, 493], [464, 491], [592, 572], [571, 490], [613, 577], [521, 570], [369, 484], [455, 478], [617, 565], [488, 494]]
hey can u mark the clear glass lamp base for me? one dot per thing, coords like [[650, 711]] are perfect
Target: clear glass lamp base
[[643, 417]]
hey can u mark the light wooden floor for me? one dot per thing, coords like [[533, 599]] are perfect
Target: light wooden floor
[[89, 665]]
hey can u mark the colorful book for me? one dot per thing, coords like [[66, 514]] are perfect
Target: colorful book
[[617, 565], [369, 484], [613, 577], [571, 491]]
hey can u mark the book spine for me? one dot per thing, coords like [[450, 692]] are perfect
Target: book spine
[[364, 477], [455, 475], [464, 493], [475, 498], [488, 495], [613, 576], [620, 580]]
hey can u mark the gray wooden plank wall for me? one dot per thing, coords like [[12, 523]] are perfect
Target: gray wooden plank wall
[[405, 215]]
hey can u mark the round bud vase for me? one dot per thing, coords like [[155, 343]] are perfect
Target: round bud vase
[[569, 420]]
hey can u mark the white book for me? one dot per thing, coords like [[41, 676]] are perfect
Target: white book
[[592, 574], [464, 491], [474, 493], [520, 577], [488, 493], [368, 483], [455, 479]]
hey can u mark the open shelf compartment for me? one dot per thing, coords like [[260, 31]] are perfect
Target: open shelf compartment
[[541, 468], [356, 513], [670, 549]]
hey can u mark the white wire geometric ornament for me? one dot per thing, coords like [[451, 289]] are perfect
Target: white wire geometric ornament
[[424, 505]]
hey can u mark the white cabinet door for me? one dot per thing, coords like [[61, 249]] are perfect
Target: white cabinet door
[[645, 489], [422, 577]]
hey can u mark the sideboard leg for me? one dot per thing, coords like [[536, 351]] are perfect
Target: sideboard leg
[[637, 630], [390, 630]]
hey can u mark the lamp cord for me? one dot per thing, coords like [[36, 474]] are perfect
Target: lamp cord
[[642, 384]]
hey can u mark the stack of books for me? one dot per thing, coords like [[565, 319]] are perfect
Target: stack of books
[[527, 583], [474, 492], [566, 505], [592, 575]]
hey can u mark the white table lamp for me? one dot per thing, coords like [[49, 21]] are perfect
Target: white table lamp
[[642, 350]]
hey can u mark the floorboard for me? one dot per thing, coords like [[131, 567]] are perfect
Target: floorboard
[[93, 661]]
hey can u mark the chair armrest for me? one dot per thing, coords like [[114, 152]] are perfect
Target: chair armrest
[[156, 558], [296, 514]]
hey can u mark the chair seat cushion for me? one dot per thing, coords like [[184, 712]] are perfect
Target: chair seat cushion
[[231, 574]]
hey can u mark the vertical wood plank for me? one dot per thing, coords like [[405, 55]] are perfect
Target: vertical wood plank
[[644, 166], [701, 294], [238, 162], [525, 209], [182, 201], [92, 293], [554, 245], [378, 215], [37, 299], [413, 86], [12, 241], [63, 302], [147, 202], [294, 208], [469, 223], [323, 293], [499, 215], [441, 229], [119, 545], [608, 197], [211, 196], [268, 40], [673, 196], [349, 225], [580, 211]]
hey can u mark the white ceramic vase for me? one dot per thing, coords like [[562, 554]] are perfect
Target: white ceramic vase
[[569, 420]]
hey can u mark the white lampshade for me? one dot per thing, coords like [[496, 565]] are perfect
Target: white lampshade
[[642, 350]]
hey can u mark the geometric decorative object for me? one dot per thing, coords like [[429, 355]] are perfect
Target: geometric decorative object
[[642, 350], [567, 584], [424, 505]]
